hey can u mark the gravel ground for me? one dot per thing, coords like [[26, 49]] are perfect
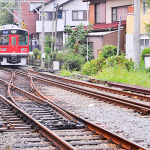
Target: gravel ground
[[121, 121]]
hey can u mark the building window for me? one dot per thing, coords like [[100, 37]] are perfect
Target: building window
[[114, 14], [79, 15], [144, 40], [34, 5], [119, 11], [97, 13], [100, 11], [144, 7]]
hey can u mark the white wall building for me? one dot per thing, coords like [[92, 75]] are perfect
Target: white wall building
[[72, 13]]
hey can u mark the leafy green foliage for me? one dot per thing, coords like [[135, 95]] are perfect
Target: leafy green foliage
[[48, 42], [5, 16], [75, 54], [73, 61], [77, 41], [107, 58], [147, 28], [83, 52], [77, 35], [109, 50], [120, 61], [65, 72], [57, 56], [145, 51], [93, 66], [60, 56], [53, 56], [148, 70], [36, 53], [148, 2], [120, 74]]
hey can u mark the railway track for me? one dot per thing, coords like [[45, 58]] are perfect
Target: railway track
[[19, 130], [16, 134], [95, 86], [115, 100], [71, 130], [125, 87]]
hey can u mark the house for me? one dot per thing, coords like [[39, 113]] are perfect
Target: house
[[71, 12], [105, 16], [144, 38]]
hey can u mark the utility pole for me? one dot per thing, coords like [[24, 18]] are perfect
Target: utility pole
[[19, 14], [56, 27], [118, 36], [137, 49], [42, 39], [52, 32], [87, 46]]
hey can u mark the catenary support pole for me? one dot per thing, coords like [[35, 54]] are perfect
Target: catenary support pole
[[137, 49]]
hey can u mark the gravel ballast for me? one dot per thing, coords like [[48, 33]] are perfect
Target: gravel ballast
[[124, 122]]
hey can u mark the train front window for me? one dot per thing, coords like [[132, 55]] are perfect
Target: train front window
[[13, 40], [4, 39], [23, 39]]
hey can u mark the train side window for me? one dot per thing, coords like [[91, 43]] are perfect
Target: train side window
[[4, 39], [13, 40]]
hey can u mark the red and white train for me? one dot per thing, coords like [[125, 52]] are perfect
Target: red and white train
[[14, 45]]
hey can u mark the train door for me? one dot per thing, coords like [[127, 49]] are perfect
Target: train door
[[13, 43]]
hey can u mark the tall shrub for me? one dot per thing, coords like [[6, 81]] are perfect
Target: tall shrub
[[36, 53]]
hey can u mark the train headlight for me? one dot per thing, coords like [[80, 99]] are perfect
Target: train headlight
[[23, 49], [2, 49]]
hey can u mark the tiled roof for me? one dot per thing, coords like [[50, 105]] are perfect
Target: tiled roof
[[110, 26]]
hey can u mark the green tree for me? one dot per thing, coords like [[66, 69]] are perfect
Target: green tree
[[148, 2], [77, 41], [147, 25], [36, 53], [5, 16], [48, 42]]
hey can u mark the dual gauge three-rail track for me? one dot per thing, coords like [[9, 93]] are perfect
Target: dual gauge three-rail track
[[24, 109]]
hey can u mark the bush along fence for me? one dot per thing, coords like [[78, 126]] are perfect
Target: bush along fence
[[48, 65]]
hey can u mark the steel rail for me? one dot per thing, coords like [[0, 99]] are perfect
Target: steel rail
[[102, 88], [42, 98], [103, 132], [109, 135], [52, 136], [62, 144], [141, 108], [127, 87]]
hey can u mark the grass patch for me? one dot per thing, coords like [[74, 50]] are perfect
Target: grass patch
[[65, 72], [118, 74]]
